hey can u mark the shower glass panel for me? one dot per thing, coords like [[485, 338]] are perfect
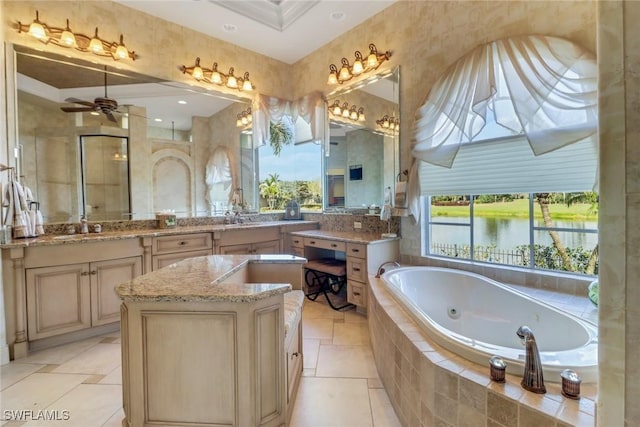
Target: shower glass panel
[[105, 177]]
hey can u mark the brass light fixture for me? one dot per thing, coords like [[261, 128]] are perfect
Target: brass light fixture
[[360, 65], [65, 37], [352, 113], [244, 118], [212, 75], [389, 123]]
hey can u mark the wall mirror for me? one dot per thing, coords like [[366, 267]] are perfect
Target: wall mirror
[[363, 154], [149, 154]]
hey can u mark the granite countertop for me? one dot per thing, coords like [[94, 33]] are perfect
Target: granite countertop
[[203, 279], [344, 236], [49, 240]]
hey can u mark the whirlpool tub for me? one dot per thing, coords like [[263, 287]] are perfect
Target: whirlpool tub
[[476, 317]]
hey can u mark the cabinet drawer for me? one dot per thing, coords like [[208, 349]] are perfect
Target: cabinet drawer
[[297, 242], [297, 252], [357, 250], [356, 269], [357, 293], [325, 244], [159, 261], [181, 243]]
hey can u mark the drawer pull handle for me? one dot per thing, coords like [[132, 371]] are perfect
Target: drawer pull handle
[[84, 273], [183, 243], [356, 269], [313, 242], [93, 272], [356, 294], [296, 354], [333, 245], [355, 250]]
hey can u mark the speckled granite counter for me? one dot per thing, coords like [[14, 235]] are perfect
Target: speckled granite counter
[[205, 279], [344, 236], [49, 240]]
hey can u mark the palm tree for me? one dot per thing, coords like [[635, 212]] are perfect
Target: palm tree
[[270, 189], [280, 134], [543, 201]]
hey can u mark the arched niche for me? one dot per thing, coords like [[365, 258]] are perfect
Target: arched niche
[[173, 181]]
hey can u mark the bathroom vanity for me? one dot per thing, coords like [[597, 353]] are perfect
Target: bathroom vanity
[[203, 342], [362, 252], [59, 288]]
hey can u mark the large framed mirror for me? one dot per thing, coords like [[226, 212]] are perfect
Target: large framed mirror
[[147, 154], [363, 147]]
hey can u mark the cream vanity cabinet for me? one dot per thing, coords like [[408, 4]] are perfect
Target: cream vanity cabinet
[[362, 253], [167, 250], [265, 240], [71, 288]]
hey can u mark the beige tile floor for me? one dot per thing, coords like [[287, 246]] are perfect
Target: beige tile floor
[[340, 385]]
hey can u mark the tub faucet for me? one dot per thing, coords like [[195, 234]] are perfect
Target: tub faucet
[[381, 269], [532, 378]]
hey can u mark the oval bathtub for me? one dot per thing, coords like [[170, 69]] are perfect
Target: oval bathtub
[[476, 317]]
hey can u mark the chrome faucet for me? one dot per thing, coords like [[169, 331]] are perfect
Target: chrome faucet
[[532, 379], [381, 269]]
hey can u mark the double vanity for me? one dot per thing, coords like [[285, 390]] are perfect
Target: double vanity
[[241, 286]]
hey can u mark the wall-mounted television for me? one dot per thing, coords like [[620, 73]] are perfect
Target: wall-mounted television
[[355, 172]]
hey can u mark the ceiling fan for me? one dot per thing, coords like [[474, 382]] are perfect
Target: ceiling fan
[[105, 105]]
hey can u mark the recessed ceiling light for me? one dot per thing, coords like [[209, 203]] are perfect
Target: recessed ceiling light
[[337, 16], [230, 28], [157, 120], [182, 102]]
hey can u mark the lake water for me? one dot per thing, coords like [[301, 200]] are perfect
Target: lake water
[[507, 233]]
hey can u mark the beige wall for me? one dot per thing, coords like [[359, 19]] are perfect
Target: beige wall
[[425, 38]]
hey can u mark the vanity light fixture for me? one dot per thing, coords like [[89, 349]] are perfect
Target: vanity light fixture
[[212, 75], [389, 123], [360, 65], [244, 118], [65, 37], [345, 112]]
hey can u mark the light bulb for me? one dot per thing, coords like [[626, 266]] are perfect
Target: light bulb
[[67, 37], [345, 113], [244, 120], [333, 79], [372, 60], [239, 121], [197, 73], [121, 51], [336, 109], [36, 29], [216, 78], [345, 74], [354, 115], [95, 45], [246, 83], [232, 82]]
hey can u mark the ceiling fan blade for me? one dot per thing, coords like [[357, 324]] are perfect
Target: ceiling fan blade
[[110, 116], [80, 101], [76, 109]]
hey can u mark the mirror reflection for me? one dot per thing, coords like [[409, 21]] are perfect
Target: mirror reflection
[[363, 149], [162, 136]]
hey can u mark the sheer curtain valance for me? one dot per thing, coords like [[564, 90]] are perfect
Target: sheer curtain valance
[[310, 108], [544, 88]]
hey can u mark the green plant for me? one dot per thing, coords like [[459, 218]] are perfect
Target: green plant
[[270, 189], [280, 134]]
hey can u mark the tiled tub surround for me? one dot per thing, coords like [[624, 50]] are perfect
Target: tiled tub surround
[[430, 386]]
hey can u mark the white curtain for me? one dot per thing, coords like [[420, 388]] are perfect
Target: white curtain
[[310, 108], [544, 88]]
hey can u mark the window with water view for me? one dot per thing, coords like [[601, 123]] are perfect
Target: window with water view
[[553, 231]]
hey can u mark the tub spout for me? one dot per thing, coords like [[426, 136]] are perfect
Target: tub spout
[[381, 268], [532, 378]]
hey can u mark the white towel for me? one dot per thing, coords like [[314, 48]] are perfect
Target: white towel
[[401, 194]]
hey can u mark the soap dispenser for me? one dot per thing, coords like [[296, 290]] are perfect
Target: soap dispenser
[[84, 226]]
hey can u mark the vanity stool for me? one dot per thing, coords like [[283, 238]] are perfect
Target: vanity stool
[[324, 276]]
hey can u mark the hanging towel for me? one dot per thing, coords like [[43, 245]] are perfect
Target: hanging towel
[[386, 211]]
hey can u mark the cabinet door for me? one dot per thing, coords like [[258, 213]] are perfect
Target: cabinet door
[[272, 247], [105, 276], [160, 261], [236, 249], [58, 300]]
